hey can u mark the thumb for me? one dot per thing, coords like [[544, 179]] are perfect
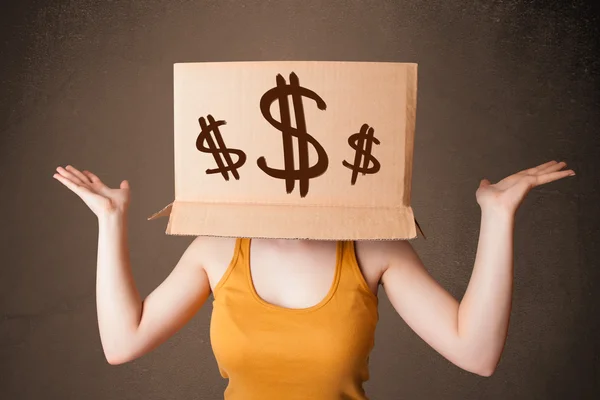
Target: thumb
[[124, 185], [484, 182]]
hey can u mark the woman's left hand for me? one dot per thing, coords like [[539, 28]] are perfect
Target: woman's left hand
[[508, 194]]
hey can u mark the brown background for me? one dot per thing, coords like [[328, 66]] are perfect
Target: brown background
[[501, 87]]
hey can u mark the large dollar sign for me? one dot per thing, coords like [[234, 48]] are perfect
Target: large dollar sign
[[304, 172], [362, 142], [220, 152]]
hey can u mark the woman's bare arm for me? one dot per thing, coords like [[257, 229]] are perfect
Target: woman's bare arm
[[130, 327], [471, 333]]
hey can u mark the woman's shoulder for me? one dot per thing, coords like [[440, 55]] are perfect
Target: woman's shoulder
[[379, 253], [213, 248]]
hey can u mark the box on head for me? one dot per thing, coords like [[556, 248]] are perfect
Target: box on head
[[294, 149]]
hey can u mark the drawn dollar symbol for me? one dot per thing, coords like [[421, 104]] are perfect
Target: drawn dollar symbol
[[220, 152], [305, 171], [362, 142]]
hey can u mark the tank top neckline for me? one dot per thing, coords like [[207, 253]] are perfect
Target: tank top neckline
[[332, 290]]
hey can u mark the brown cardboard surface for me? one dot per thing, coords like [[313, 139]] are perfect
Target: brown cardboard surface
[[294, 149]]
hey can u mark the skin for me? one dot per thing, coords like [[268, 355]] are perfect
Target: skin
[[298, 273]]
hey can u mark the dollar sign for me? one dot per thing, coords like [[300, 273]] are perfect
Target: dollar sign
[[304, 172], [220, 152], [362, 142]]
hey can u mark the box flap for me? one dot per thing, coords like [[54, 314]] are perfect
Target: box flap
[[230, 220], [165, 212]]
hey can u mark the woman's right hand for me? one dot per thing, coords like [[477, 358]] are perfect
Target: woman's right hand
[[101, 199]]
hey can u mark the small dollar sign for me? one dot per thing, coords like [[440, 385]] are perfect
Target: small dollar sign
[[362, 142], [304, 172], [219, 151]]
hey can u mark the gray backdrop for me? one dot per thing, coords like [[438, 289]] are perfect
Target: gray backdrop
[[502, 86]]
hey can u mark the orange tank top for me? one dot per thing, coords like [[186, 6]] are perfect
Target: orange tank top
[[271, 352]]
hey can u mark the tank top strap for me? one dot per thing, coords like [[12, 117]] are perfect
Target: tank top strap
[[352, 274], [233, 269]]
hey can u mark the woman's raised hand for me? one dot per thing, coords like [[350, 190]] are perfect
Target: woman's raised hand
[[101, 199], [509, 193]]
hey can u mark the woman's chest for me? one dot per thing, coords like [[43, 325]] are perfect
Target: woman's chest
[[290, 279]]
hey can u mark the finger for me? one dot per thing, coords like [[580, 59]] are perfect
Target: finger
[[78, 174], [552, 176], [552, 168], [534, 170], [94, 178], [69, 175], [78, 190]]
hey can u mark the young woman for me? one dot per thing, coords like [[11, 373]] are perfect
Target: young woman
[[295, 319]]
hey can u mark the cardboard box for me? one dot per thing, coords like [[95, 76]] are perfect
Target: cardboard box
[[289, 149]]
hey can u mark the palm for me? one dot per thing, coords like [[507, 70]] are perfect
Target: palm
[[98, 197], [508, 194]]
